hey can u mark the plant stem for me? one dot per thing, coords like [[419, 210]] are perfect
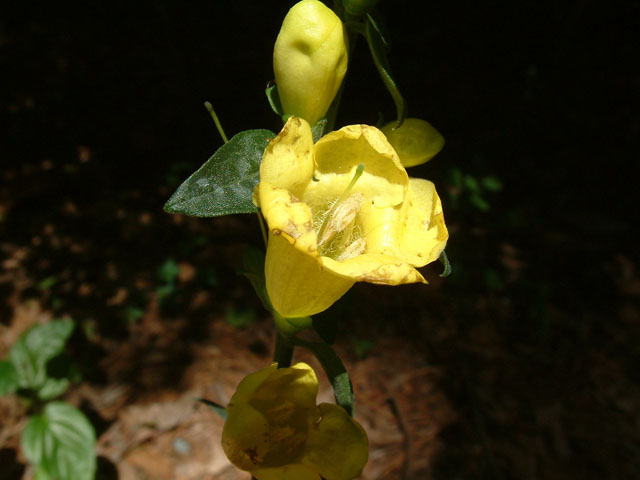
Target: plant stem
[[283, 352]]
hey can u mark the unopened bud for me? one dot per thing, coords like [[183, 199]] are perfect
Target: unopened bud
[[310, 60]]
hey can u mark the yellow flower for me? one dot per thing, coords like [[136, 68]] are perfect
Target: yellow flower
[[416, 141], [275, 430], [342, 211], [309, 60]]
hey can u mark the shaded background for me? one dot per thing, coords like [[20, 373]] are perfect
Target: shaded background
[[533, 337]]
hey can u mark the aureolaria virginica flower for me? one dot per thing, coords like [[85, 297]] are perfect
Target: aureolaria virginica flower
[[342, 211], [416, 141], [275, 430], [309, 59]]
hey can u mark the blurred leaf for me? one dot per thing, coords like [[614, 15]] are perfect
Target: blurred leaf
[[239, 318], [456, 177], [471, 184], [132, 314], [60, 443], [480, 203], [168, 271], [378, 48], [219, 409], [8, 378], [362, 346], [48, 282], [335, 370], [34, 349], [493, 184], [224, 184]]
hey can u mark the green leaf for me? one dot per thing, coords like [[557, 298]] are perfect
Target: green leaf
[[378, 49], [240, 317], [274, 99], [219, 409], [224, 184], [35, 348], [168, 271], [444, 259], [60, 443], [8, 378], [335, 370], [493, 184], [253, 264]]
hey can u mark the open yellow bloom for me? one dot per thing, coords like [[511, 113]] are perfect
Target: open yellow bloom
[[332, 224], [275, 430]]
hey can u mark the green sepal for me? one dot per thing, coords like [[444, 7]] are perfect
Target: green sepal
[[335, 370], [219, 409], [317, 131], [33, 350], [378, 48], [274, 99], [60, 443], [8, 378], [224, 184], [445, 262]]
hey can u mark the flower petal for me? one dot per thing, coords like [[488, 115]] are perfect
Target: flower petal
[[413, 232], [245, 437], [297, 384], [338, 154], [249, 385], [375, 268], [416, 141], [337, 445], [287, 161], [287, 472], [297, 283]]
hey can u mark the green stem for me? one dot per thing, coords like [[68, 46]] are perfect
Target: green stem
[[283, 352], [212, 112]]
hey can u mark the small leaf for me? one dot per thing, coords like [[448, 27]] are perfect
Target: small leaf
[[168, 271], [274, 99], [60, 443], [8, 378], [493, 184], [444, 259], [253, 263], [224, 184], [335, 370], [219, 409], [378, 49]]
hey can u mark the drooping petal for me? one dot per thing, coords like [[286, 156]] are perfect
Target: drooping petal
[[338, 154], [375, 268], [245, 437], [297, 283], [337, 444], [416, 141], [287, 161]]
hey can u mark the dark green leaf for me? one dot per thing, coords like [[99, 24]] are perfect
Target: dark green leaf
[[445, 261], [379, 53], [253, 263], [493, 184], [335, 370], [168, 271], [274, 99], [224, 184], [35, 348], [219, 409], [60, 443], [8, 378]]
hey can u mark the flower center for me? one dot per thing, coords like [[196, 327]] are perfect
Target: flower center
[[339, 234]]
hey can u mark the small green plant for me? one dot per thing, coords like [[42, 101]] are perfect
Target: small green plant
[[58, 439]]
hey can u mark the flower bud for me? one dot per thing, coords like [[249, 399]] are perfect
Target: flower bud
[[415, 141], [309, 60]]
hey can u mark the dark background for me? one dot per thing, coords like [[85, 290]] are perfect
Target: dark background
[[102, 117]]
